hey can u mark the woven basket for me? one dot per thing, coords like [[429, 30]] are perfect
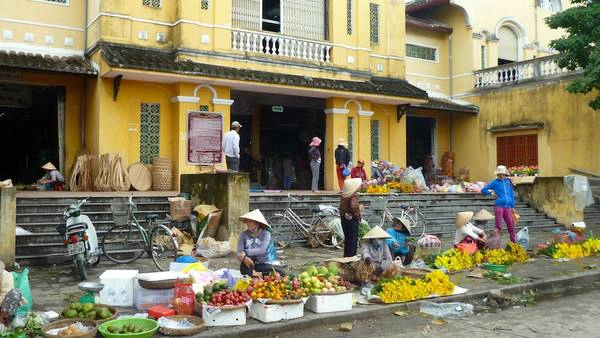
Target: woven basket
[[196, 321], [162, 174], [66, 322], [140, 177], [99, 321], [415, 273]]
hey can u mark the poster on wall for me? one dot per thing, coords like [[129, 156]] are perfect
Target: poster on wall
[[205, 136]]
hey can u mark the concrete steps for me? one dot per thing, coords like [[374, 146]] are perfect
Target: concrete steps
[[592, 214]]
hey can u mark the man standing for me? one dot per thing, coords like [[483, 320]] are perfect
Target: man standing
[[231, 147]]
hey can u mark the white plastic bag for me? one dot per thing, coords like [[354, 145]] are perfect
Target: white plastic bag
[[209, 248], [523, 237], [336, 225]]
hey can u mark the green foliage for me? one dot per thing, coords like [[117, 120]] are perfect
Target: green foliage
[[579, 48]]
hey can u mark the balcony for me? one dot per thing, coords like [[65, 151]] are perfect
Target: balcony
[[513, 73], [280, 45]]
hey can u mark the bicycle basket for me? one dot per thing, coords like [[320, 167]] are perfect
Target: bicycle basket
[[120, 213], [378, 204]]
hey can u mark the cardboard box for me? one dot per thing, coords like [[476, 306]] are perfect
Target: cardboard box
[[223, 317], [269, 313], [180, 209], [118, 287], [330, 303]]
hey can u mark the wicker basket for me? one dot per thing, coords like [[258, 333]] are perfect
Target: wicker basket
[[99, 321], [66, 322], [162, 174], [196, 321], [415, 273]]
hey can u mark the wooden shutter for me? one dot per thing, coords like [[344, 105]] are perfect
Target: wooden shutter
[[517, 150], [303, 19], [246, 14]]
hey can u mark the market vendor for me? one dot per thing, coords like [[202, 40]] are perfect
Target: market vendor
[[467, 235], [398, 243], [350, 215], [502, 189], [253, 244], [53, 179], [381, 172], [359, 172], [375, 253], [10, 298]]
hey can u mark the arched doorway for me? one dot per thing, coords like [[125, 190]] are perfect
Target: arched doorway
[[508, 46]]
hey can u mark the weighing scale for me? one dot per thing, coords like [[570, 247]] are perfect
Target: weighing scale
[[91, 288]]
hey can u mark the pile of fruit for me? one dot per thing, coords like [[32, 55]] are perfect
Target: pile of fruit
[[275, 287], [404, 289], [219, 294], [87, 311], [589, 247], [323, 280], [72, 330], [125, 329]]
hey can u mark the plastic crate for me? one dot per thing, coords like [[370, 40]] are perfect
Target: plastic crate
[[143, 299]]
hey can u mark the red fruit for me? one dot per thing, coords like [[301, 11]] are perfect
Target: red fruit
[[276, 276], [267, 279]]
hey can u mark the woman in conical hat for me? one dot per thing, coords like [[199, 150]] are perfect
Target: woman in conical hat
[[253, 244], [398, 240], [466, 232], [375, 252], [53, 179], [350, 215]]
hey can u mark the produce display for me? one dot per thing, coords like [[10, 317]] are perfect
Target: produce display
[[219, 294], [275, 287], [125, 329], [87, 311], [323, 280], [71, 330], [589, 247], [404, 289], [456, 260]]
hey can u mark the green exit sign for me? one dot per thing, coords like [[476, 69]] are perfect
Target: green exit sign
[[277, 109]]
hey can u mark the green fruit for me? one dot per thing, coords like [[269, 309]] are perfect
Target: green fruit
[[70, 313], [75, 306], [333, 269], [87, 307], [104, 313], [80, 315], [112, 329], [91, 315], [323, 271], [312, 271], [137, 330]]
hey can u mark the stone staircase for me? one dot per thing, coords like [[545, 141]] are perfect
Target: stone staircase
[[592, 214], [439, 209], [41, 216]]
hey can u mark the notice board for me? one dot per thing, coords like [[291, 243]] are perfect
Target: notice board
[[204, 138]]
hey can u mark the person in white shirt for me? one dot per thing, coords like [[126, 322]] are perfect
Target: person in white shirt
[[53, 179], [231, 147], [467, 232]]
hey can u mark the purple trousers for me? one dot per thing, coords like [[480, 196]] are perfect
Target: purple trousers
[[506, 214]]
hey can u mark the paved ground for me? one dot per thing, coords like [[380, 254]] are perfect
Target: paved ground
[[575, 316]]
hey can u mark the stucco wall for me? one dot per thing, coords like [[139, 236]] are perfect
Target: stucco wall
[[548, 194]]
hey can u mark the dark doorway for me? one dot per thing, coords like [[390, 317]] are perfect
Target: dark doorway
[[28, 131], [419, 140]]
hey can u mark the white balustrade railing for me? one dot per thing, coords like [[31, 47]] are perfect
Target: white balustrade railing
[[515, 72], [280, 45]]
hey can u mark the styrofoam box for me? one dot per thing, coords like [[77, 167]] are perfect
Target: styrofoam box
[[143, 299], [118, 287], [330, 303], [225, 317], [269, 313]]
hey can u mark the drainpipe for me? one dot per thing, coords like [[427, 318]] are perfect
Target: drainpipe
[[85, 87], [451, 89]]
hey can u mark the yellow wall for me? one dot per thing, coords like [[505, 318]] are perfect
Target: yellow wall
[[568, 139], [425, 74]]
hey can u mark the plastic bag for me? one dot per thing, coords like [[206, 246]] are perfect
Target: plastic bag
[[523, 237], [21, 280], [336, 225], [416, 175], [209, 248], [271, 251], [446, 310], [579, 187]]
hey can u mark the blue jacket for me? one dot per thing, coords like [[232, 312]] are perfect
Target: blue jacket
[[400, 238], [504, 190]]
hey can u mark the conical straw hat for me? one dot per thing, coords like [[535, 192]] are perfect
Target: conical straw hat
[[376, 233], [463, 218], [351, 186], [49, 166], [483, 215], [256, 215], [404, 222]]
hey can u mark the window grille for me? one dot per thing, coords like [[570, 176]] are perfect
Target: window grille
[[374, 23], [375, 136], [152, 3], [149, 132], [421, 52], [204, 4], [349, 17], [203, 108], [351, 137], [482, 57]]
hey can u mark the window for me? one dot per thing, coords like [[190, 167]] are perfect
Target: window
[[374, 23], [375, 136], [551, 5], [61, 2], [349, 17], [421, 52], [271, 15], [149, 132], [517, 150], [351, 137], [508, 46], [482, 57], [152, 3], [204, 108], [204, 4]]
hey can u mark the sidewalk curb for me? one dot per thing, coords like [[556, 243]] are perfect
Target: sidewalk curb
[[545, 289]]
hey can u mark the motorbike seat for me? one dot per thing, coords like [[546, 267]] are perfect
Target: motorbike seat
[[152, 217], [405, 206]]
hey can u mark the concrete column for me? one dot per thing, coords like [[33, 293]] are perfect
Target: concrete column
[[8, 223], [336, 127], [364, 139]]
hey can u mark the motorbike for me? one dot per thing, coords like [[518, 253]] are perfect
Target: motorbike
[[80, 238]]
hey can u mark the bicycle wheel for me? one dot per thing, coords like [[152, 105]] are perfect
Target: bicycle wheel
[[123, 244], [164, 247], [282, 231], [326, 235]]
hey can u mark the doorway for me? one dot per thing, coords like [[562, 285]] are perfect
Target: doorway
[[29, 123], [419, 140]]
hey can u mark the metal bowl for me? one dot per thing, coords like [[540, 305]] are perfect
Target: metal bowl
[[91, 286]]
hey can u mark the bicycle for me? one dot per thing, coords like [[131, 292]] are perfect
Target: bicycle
[[127, 241], [383, 217], [284, 226]]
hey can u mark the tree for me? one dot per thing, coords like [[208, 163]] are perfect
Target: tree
[[580, 47]]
